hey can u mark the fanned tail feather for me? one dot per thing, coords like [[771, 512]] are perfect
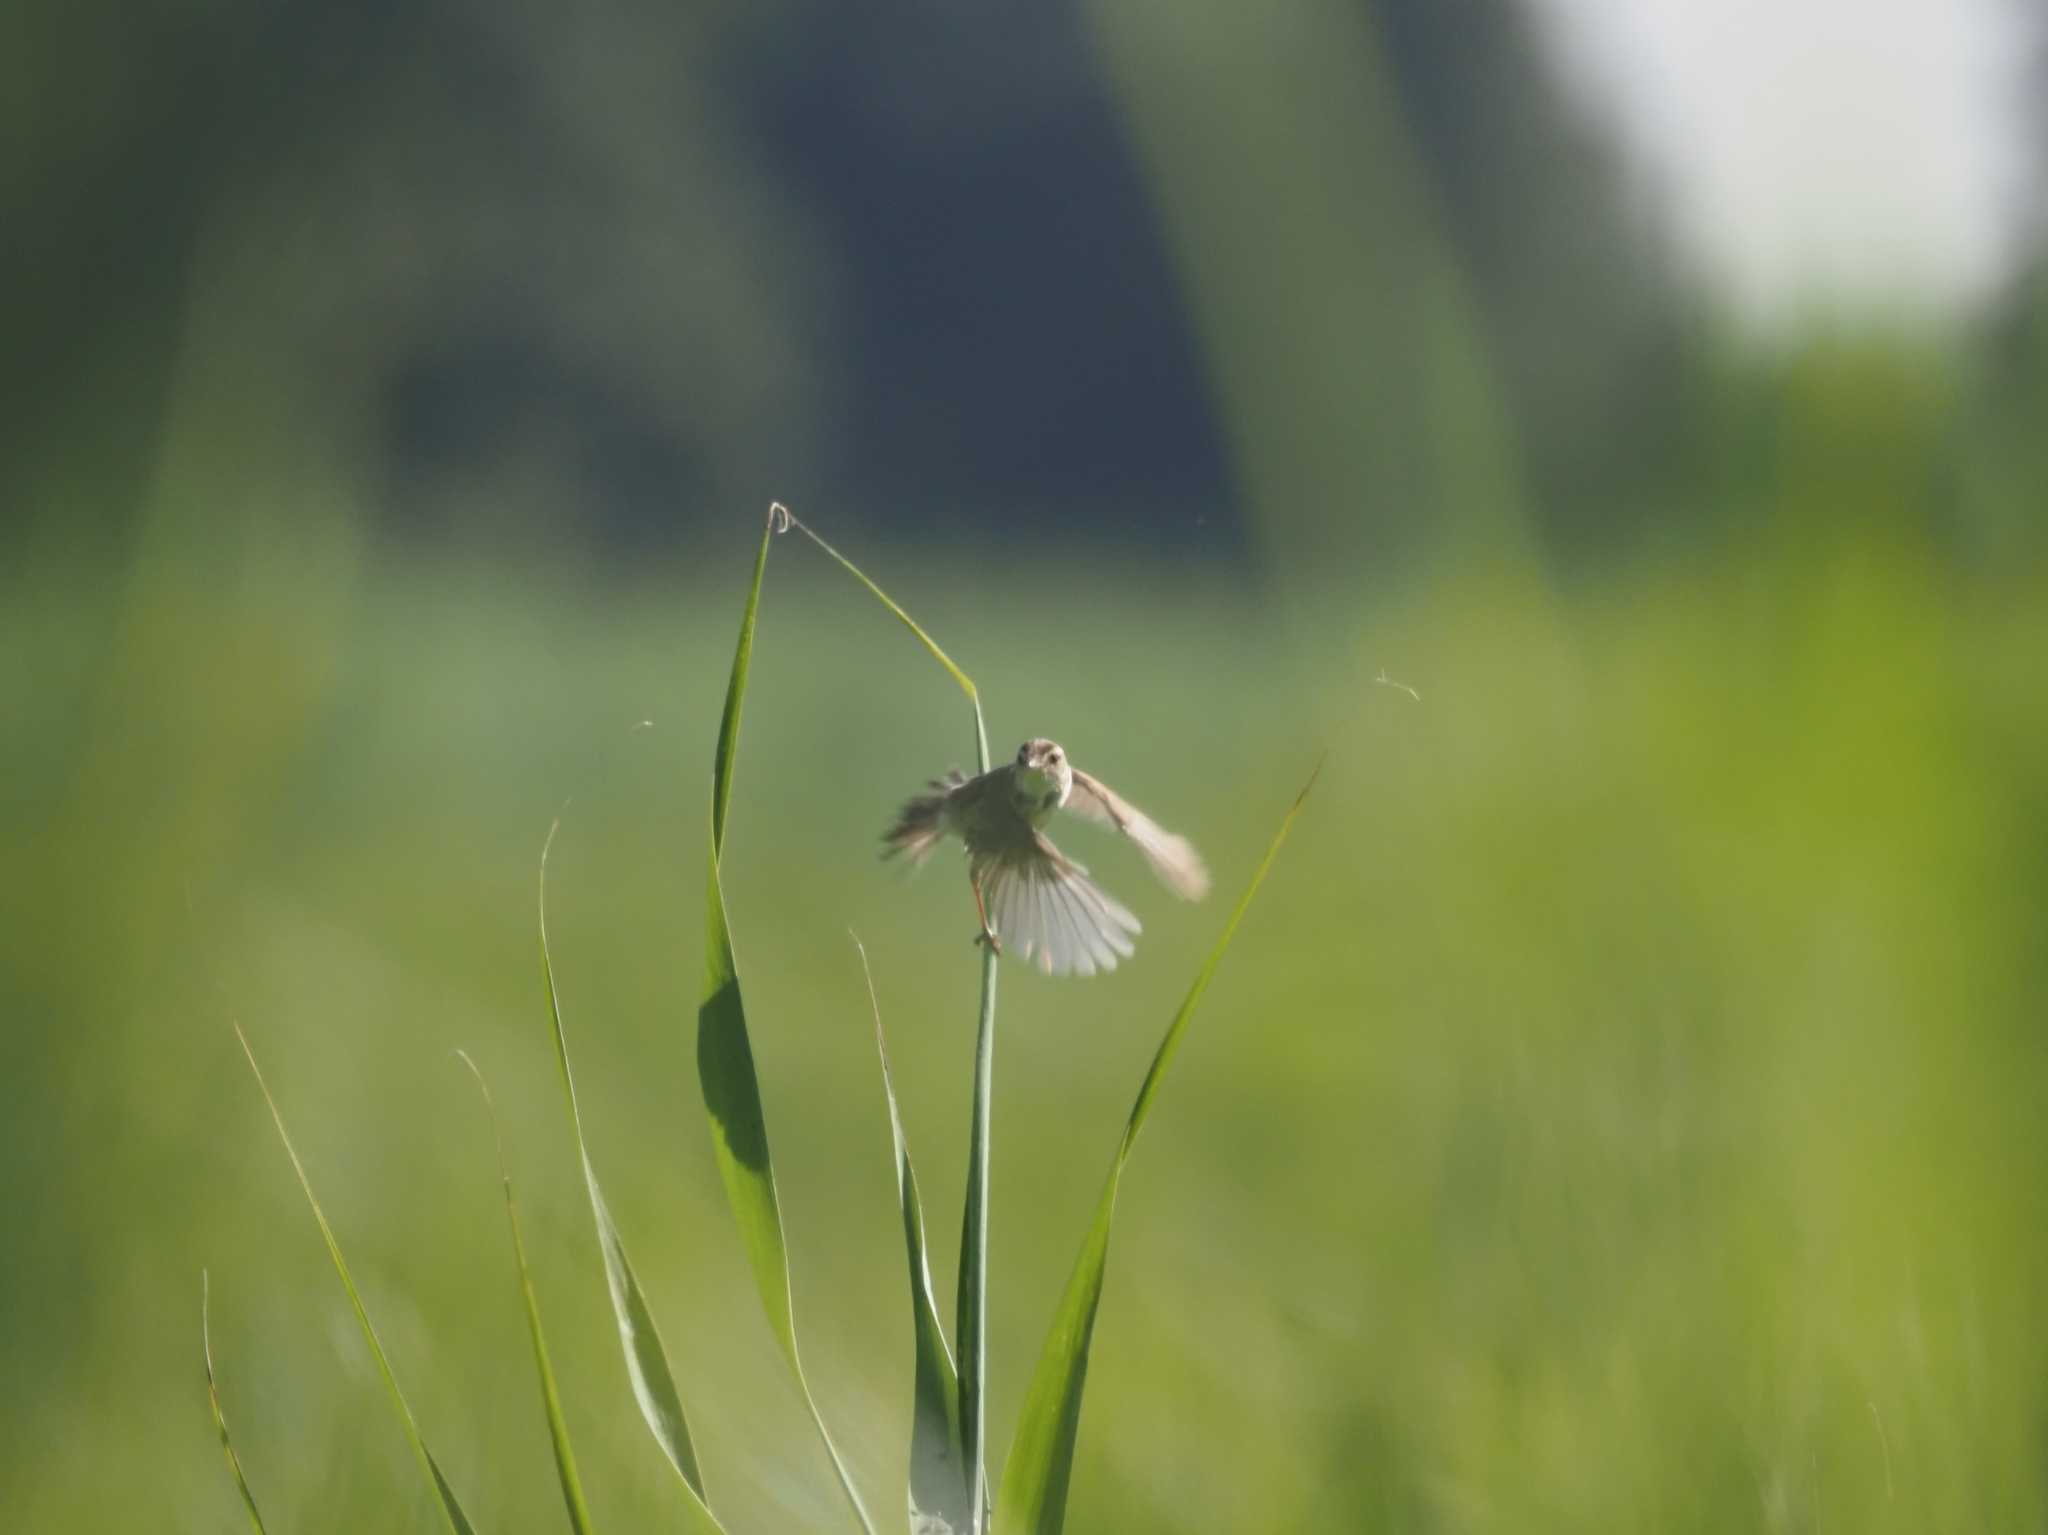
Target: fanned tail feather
[[1048, 913]]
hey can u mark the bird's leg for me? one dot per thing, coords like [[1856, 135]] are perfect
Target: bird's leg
[[987, 934]]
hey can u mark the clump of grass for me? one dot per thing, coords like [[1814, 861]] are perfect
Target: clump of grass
[[948, 1486]]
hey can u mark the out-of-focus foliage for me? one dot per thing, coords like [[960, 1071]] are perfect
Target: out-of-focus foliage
[[492, 264], [1592, 335], [1642, 1126], [579, 279], [2007, 459], [1638, 1069], [534, 272]]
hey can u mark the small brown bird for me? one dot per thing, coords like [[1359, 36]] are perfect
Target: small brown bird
[[1029, 894]]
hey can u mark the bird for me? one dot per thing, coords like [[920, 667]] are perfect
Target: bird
[[1032, 899]]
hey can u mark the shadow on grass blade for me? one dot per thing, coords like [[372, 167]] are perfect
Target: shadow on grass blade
[[551, 1399], [725, 1058], [451, 1510], [654, 1386], [1033, 1499], [220, 1421], [941, 1491]]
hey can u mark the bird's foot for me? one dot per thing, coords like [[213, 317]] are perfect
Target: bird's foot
[[985, 939]]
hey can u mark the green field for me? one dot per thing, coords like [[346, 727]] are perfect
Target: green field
[[1623, 1109]]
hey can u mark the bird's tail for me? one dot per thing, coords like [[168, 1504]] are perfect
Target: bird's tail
[[921, 823]]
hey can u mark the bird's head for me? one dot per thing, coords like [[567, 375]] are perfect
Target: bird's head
[[1043, 765]]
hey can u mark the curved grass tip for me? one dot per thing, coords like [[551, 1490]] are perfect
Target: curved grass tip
[[220, 1421]]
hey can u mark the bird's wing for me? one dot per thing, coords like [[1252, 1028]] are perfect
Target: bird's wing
[[921, 824], [1046, 910], [1173, 858]]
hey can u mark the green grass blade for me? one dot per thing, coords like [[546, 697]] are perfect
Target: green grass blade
[[941, 1493], [725, 1057], [551, 1399], [647, 1367], [786, 517], [451, 1510], [220, 1421], [1033, 1500], [972, 1300]]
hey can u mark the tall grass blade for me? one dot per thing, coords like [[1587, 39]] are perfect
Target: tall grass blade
[[972, 1300], [551, 1399], [1033, 1498], [451, 1510], [725, 1058], [941, 1493], [220, 1421], [647, 1367]]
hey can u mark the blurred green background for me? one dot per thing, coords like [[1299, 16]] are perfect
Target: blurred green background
[[1623, 1109]]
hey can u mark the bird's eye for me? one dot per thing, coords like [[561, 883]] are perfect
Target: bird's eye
[[1057, 754]]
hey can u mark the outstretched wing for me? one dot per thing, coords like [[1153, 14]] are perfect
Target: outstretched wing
[[1046, 910], [921, 824], [1173, 858]]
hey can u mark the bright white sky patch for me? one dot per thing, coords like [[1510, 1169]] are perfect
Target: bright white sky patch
[[1832, 154]]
